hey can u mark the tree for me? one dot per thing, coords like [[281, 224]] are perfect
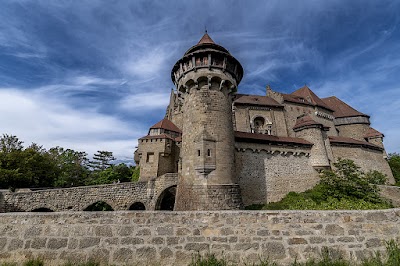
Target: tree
[[101, 160], [113, 174], [73, 166], [394, 162], [9, 143]]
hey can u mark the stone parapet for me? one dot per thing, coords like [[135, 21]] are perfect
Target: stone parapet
[[173, 238]]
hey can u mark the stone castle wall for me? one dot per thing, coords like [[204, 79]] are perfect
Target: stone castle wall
[[267, 172], [173, 238], [367, 159]]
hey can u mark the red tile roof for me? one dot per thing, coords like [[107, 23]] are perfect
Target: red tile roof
[[305, 96], [263, 138], [255, 100], [161, 136], [305, 121], [340, 108], [343, 140], [206, 39], [371, 132], [166, 124]]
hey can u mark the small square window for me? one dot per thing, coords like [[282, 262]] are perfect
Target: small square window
[[150, 157]]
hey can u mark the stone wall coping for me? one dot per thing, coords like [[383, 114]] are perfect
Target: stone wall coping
[[183, 213], [78, 187]]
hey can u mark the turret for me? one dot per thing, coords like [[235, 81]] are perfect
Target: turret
[[206, 78]]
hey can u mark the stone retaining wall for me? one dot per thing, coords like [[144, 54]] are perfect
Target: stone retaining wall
[[172, 238]]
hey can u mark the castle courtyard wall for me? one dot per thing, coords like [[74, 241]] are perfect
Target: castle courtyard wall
[[173, 238], [267, 173], [366, 159]]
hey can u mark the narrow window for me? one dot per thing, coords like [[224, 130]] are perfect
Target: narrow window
[[208, 152], [198, 152]]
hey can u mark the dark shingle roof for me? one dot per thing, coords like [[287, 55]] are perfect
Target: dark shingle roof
[[340, 108], [305, 121], [371, 132], [161, 136], [255, 100], [263, 138], [343, 140], [305, 96]]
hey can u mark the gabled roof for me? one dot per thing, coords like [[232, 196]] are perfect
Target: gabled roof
[[354, 142], [166, 124], [341, 109], [206, 39], [371, 132], [305, 96], [306, 121], [263, 138], [255, 100]]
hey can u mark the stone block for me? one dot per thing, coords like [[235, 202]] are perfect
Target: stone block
[[131, 241], [104, 230], [273, 250], [122, 255], [197, 246], [89, 242], [146, 253], [54, 243], [297, 241], [334, 230]]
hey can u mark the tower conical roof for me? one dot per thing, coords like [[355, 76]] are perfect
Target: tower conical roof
[[206, 39], [206, 43]]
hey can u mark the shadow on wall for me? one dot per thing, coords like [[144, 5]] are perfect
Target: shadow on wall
[[166, 200], [99, 206]]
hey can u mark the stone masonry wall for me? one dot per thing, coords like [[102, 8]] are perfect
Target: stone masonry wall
[[367, 159], [173, 238], [268, 172], [118, 196]]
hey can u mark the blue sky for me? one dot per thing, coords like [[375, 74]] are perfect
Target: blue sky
[[94, 75]]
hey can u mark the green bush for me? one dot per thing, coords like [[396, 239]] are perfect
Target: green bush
[[34, 262]]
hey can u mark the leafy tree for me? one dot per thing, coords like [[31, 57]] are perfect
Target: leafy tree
[[135, 174], [394, 162], [72, 165], [9, 143], [113, 174]]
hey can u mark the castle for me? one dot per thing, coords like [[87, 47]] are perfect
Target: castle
[[231, 150]]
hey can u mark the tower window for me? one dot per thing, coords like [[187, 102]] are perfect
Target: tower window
[[198, 152], [150, 157], [208, 152]]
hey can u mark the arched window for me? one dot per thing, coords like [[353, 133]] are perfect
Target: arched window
[[258, 124]]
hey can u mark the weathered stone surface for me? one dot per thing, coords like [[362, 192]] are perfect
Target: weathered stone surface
[[54, 243], [334, 229], [278, 235]]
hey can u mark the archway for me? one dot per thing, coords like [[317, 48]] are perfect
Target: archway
[[99, 206], [42, 209], [137, 206], [166, 200]]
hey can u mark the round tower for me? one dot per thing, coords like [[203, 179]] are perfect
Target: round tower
[[206, 78]]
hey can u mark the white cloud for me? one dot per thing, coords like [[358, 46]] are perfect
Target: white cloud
[[33, 117], [145, 101]]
